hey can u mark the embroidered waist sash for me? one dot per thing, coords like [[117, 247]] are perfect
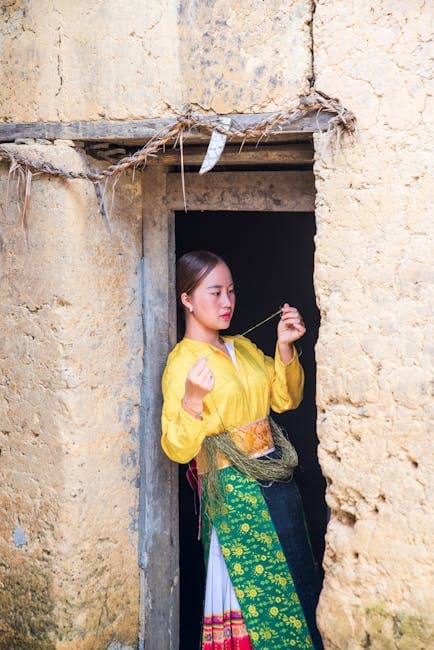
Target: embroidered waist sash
[[254, 439]]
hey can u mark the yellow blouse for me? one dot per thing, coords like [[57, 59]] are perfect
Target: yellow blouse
[[237, 398]]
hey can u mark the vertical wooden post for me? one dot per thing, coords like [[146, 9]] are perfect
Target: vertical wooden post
[[158, 545]]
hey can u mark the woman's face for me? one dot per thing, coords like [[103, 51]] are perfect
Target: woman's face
[[213, 300]]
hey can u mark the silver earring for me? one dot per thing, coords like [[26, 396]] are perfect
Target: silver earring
[[190, 309]]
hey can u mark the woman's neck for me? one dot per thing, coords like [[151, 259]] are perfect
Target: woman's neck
[[204, 338], [204, 335]]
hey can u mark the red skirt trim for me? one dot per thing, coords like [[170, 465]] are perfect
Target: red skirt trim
[[227, 632]]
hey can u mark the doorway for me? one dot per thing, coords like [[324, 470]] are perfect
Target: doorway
[[271, 255]]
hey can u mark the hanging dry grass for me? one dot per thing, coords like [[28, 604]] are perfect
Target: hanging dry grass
[[342, 122]]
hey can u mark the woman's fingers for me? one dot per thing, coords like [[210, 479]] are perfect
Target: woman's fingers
[[201, 375], [205, 373], [296, 324], [199, 366], [300, 329], [291, 326], [209, 381], [290, 312], [199, 370], [288, 320]]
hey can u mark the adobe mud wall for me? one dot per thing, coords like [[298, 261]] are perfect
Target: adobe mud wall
[[109, 60], [374, 286], [72, 345], [71, 358]]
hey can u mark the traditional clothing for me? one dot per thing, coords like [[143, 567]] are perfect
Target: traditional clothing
[[257, 557]]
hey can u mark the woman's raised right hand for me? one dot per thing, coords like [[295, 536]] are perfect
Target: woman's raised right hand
[[199, 382]]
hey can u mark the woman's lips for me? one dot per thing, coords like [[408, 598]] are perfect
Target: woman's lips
[[226, 316]]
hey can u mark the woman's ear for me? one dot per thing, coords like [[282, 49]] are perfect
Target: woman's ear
[[186, 302]]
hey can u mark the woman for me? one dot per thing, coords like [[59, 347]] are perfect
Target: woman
[[261, 587]]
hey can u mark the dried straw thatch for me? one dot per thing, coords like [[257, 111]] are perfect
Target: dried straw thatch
[[342, 122]]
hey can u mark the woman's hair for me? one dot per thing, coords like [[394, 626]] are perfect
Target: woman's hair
[[192, 268]]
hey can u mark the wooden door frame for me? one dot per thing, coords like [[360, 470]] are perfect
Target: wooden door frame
[[285, 191], [158, 551]]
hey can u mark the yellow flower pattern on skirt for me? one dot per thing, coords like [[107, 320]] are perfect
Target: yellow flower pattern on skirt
[[256, 564]]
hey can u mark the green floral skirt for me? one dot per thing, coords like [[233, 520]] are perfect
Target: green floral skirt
[[256, 563]]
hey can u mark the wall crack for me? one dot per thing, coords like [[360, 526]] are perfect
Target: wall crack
[[59, 64], [311, 79]]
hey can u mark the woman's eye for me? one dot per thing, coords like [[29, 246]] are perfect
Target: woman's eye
[[216, 293]]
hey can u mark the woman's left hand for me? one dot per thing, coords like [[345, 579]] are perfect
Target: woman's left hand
[[290, 327]]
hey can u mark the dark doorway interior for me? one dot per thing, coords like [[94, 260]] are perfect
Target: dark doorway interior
[[271, 258]]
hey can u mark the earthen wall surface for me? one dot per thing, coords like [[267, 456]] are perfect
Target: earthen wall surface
[[71, 340], [109, 60], [71, 358], [374, 286]]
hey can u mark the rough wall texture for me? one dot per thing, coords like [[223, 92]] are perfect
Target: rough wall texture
[[123, 60], [374, 210], [70, 296], [89, 60], [70, 303], [241, 57], [70, 364]]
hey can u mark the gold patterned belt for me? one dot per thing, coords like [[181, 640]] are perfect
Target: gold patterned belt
[[254, 439]]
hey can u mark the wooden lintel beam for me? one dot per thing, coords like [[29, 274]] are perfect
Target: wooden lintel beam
[[136, 131], [287, 191], [300, 153]]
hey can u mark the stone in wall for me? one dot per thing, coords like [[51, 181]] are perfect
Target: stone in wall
[[374, 286], [70, 370]]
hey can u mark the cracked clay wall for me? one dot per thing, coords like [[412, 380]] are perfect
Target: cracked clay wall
[[374, 286], [70, 366], [70, 302], [129, 60], [71, 339]]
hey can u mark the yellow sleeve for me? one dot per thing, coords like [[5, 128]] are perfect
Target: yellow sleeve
[[287, 383], [182, 434]]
